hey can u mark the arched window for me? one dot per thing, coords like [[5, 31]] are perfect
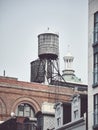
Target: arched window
[[25, 110]]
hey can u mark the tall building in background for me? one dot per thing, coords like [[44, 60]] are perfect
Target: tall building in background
[[93, 65]]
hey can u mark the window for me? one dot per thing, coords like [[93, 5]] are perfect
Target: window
[[75, 101], [96, 109], [95, 48], [95, 68], [59, 121], [76, 114], [96, 27], [58, 111], [25, 110]]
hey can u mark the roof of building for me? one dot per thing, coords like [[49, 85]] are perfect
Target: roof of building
[[68, 87]]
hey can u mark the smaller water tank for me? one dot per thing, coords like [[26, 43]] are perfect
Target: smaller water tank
[[48, 45], [38, 71]]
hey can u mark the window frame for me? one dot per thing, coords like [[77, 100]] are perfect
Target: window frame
[[95, 109], [96, 28], [95, 50], [25, 110], [95, 72]]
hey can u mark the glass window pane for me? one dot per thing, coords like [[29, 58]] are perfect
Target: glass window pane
[[96, 68], [96, 109], [96, 17], [76, 114], [25, 110], [20, 113], [59, 121], [96, 37], [96, 27]]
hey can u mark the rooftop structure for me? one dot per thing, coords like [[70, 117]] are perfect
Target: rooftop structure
[[69, 72], [46, 67]]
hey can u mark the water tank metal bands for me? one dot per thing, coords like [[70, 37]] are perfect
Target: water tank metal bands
[[48, 46]]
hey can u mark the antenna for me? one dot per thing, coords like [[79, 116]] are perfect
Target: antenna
[[48, 28], [4, 73], [68, 47]]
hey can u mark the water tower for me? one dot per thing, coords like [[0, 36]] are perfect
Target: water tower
[[48, 45], [46, 67]]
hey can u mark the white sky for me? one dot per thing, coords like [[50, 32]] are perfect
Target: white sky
[[22, 20]]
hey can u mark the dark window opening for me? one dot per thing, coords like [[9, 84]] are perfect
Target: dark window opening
[[96, 27], [95, 109], [96, 68]]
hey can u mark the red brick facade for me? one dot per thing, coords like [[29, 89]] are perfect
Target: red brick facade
[[14, 92]]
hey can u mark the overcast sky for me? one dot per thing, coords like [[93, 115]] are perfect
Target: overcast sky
[[22, 20]]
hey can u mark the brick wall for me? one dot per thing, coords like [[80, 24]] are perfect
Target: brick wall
[[14, 92]]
